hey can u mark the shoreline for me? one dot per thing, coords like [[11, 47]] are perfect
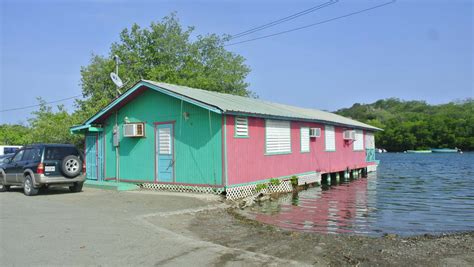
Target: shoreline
[[238, 231], [240, 215]]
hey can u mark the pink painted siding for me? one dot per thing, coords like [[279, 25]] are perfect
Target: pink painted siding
[[247, 162]]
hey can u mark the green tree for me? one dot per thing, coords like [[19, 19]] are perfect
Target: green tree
[[14, 134], [48, 126], [416, 124], [163, 52]]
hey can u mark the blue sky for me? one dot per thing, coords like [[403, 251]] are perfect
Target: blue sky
[[415, 49]]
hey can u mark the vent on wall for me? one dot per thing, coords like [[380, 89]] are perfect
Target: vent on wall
[[136, 129], [241, 127]]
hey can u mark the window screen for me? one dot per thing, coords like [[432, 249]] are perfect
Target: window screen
[[277, 137], [330, 138], [359, 140], [304, 136], [369, 141]]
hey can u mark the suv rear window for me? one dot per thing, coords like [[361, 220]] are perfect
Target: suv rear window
[[58, 153]]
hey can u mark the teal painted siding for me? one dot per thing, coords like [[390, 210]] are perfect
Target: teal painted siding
[[109, 148], [197, 143], [370, 155]]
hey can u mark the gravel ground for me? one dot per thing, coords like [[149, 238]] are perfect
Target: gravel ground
[[106, 228]]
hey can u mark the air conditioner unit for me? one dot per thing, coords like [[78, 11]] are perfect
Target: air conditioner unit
[[134, 129], [349, 135], [314, 132]]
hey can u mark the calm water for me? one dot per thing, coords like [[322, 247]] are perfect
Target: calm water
[[410, 194]]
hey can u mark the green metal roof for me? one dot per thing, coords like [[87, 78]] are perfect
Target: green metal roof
[[232, 104], [235, 105]]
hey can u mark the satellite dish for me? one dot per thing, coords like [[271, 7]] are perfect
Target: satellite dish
[[116, 79]]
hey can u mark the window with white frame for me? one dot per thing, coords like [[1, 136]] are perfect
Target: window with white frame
[[329, 138], [369, 140], [241, 127], [359, 140], [304, 139], [277, 137]]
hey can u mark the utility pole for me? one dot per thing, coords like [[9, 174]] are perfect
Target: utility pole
[[116, 128]]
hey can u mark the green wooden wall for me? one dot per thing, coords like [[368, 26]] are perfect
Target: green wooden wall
[[198, 140], [109, 151]]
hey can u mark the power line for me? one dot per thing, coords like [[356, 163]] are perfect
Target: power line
[[51, 102], [313, 24], [279, 21], [238, 35]]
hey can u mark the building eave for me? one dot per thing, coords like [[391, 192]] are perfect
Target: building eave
[[87, 124]]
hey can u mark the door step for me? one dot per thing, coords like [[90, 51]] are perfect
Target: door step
[[111, 185]]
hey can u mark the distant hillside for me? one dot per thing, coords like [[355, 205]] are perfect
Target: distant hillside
[[416, 124]]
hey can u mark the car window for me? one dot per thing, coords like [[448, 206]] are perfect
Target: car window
[[36, 154], [18, 156], [58, 153], [33, 154], [5, 159], [26, 154]]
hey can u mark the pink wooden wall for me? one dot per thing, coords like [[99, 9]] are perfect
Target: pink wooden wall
[[247, 162]]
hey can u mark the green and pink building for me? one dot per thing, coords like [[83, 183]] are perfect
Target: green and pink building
[[168, 136]]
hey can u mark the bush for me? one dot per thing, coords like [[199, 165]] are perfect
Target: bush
[[275, 182], [260, 187], [294, 180]]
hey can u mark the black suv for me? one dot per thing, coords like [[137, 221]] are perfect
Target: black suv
[[39, 166]]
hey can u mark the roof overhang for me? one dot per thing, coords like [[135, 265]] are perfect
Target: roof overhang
[[85, 128], [143, 85], [128, 96], [266, 116]]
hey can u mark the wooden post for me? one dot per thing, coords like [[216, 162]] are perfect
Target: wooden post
[[346, 175]]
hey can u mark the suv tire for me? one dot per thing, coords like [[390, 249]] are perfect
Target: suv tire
[[28, 187], [76, 187], [4, 188], [71, 166]]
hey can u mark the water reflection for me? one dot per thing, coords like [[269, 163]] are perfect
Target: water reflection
[[338, 210], [409, 195]]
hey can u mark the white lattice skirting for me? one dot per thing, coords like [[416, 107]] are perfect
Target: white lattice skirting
[[243, 191], [183, 188], [309, 178], [232, 193], [372, 168]]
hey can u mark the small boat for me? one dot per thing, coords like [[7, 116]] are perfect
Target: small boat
[[418, 151], [445, 150]]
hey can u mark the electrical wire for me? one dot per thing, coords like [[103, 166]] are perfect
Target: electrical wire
[[238, 35], [282, 20], [37, 105], [314, 24]]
